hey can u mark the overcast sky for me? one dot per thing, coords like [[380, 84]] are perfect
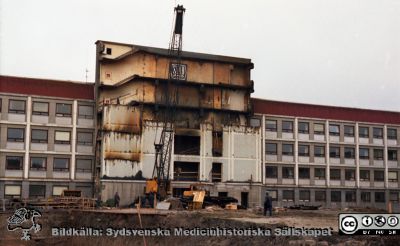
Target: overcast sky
[[334, 52]]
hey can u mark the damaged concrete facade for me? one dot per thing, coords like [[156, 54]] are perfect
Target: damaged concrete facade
[[213, 140]]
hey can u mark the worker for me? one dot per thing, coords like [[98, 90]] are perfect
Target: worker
[[268, 204], [116, 199]]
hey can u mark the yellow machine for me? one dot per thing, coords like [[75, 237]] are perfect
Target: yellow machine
[[198, 192]]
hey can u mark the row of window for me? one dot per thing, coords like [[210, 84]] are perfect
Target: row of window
[[334, 151], [35, 191], [40, 163], [336, 196], [41, 136], [42, 108], [335, 174], [334, 130]]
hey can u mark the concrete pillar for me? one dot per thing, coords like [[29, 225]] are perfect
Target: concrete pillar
[[327, 159], [27, 136], [357, 157], [385, 163], [25, 189], [296, 151], [263, 149], [385, 157], [73, 138]]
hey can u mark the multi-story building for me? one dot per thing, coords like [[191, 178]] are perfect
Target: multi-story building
[[213, 141], [329, 156], [46, 137], [241, 147]]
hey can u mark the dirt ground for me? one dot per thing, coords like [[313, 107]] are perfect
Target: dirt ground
[[212, 218]]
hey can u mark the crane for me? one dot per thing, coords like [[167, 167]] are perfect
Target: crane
[[160, 183]]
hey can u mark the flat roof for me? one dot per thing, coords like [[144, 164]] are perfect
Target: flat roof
[[46, 87], [262, 106], [185, 54]]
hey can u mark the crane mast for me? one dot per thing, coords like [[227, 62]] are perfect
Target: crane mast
[[163, 148]]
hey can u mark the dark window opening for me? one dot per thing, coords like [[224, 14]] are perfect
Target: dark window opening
[[39, 136], [319, 151], [349, 153], [336, 196], [244, 199], [303, 127], [380, 197], [287, 126], [378, 154], [288, 195], [37, 191], [186, 145], [392, 155], [350, 196], [217, 143], [304, 195], [334, 152], [287, 149], [287, 172], [320, 196], [364, 153], [84, 165], [63, 110], [379, 175], [186, 171], [304, 150], [271, 172], [364, 175], [85, 111], [270, 148], [363, 132], [319, 173], [216, 172], [304, 173], [61, 164], [223, 194], [14, 162], [15, 135], [377, 132], [350, 174], [108, 51], [349, 131], [391, 133], [85, 138], [366, 196], [335, 174], [38, 163]]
